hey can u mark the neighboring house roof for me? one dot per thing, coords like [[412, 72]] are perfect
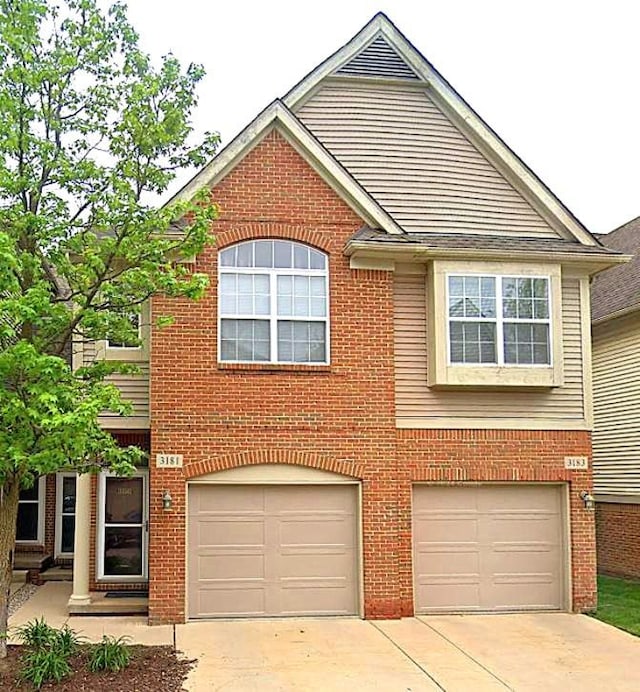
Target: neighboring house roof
[[617, 290]]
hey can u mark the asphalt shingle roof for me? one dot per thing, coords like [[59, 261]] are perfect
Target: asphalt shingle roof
[[481, 242], [618, 288]]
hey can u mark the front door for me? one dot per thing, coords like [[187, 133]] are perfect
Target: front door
[[123, 527]]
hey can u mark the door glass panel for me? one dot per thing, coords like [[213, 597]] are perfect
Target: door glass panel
[[68, 528], [27, 524], [68, 495], [29, 493], [122, 550], [123, 501]]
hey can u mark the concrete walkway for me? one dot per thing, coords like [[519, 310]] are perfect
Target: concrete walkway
[[552, 651], [50, 601]]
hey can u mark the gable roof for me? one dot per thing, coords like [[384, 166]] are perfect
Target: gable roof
[[617, 291], [380, 40], [277, 116]]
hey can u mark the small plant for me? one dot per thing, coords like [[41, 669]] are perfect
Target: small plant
[[66, 641], [36, 634], [44, 664], [110, 654]]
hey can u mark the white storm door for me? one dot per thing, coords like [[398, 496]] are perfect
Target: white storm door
[[123, 526]]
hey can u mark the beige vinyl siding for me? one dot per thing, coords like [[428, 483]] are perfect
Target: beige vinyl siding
[[405, 152], [419, 406], [134, 388], [616, 402]]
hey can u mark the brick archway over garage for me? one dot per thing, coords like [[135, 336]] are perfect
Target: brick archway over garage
[[313, 460]]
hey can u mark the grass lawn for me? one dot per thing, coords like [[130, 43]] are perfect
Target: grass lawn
[[619, 603]]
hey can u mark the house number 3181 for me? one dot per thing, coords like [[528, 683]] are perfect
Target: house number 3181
[[169, 461]]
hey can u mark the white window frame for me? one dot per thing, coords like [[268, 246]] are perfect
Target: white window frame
[[273, 318], [41, 502], [59, 503], [499, 320], [100, 529], [121, 347]]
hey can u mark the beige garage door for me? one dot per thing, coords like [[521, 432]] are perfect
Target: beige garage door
[[488, 548], [272, 550]]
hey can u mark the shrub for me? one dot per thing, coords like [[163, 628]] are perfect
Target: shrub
[[36, 634], [44, 664], [110, 654]]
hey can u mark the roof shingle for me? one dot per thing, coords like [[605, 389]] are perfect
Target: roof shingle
[[618, 288]]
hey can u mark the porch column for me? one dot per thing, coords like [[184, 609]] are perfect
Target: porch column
[[80, 595]]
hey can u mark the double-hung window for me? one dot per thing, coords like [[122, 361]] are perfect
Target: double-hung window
[[499, 320], [273, 303]]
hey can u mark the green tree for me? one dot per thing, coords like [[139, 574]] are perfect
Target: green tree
[[89, 128]]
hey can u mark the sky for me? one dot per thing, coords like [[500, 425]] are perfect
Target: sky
[[557, 80]]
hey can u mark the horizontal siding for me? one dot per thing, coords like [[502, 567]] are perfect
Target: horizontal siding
[[134, 388], [407, 154], [415, 400], [616, 403]]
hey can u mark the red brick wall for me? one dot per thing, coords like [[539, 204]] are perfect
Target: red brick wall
[[339, 417], [618, 539]]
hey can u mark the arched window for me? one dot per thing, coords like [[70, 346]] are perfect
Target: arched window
[[273, 303]]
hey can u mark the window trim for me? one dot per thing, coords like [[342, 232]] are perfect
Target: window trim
[[499, 320], [58, 552], [134, 354], [441, 373], [41, 502], [272, 317]]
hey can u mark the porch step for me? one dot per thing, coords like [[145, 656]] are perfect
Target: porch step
[[19, 576], [100, 605], [31, 561], [57, 574]]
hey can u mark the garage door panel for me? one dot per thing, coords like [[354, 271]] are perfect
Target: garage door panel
[[321, 598], [514, 552], [231, 566], [241, 601], [296, 546]]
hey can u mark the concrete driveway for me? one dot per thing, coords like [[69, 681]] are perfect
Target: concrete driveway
[[475, 652], [552, 651]]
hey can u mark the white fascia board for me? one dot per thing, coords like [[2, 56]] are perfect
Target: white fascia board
[[279, 117], [466, 118]]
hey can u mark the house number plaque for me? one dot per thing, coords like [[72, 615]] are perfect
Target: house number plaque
[[169, 461], [576, 463]]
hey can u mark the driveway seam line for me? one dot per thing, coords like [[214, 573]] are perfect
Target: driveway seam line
[[413, 660], [468, 655]]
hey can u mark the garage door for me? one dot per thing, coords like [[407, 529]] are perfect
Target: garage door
[[263, 550], [483, 548]]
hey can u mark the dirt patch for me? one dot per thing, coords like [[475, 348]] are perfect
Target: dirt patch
[[152, 668]]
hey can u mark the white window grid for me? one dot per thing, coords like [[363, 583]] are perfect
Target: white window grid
[[499, 320], [273, 317]]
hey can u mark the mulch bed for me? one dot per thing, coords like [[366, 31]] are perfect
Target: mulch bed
[[156, 668]]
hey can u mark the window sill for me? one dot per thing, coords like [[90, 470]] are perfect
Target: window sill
[[266, 368], [498, 376]]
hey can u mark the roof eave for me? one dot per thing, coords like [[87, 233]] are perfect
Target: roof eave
[[277, 115], [624, 312], [414, 252]]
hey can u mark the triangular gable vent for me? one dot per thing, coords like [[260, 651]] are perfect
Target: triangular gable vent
[[378, 59]]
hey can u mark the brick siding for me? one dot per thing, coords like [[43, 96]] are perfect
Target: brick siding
[[338, 418], [618, 539]]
